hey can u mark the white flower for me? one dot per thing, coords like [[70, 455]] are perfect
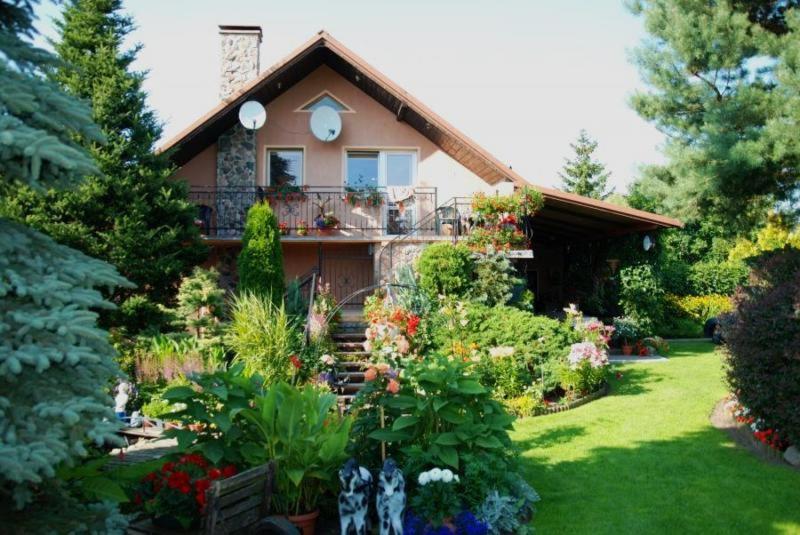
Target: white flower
[[501, 351], [435, 474], [456, 479], [423, 479], [327, 360], [464, 323], [447, 476]]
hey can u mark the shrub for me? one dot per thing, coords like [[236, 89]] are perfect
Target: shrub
[[763, 368], [446, 269], [264, 337], [626, 330], [587, 368], [717, 277], [201, 303], [539, 343], [260, 263], [527, 404], [641, 295], [495, 280]]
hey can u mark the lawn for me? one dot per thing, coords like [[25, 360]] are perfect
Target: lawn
[[645, 459]]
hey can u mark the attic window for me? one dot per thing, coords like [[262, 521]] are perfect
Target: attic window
[[325, 99]]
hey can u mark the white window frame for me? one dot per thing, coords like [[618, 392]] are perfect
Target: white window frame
[[267, 150], [382, 174]]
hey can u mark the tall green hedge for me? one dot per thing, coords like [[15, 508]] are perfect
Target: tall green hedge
[[260, 264]]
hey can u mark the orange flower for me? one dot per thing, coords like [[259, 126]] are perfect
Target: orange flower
[[371, 374], [393, 386], [382, 368]]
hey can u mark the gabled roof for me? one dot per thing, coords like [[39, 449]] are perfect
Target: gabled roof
[[323, 49]]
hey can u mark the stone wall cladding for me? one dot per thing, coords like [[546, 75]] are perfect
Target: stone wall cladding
[[400, 254], [236, 174], [240, 59]]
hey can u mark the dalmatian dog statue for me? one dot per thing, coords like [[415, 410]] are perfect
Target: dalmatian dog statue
[[356, 482], [391, 499]]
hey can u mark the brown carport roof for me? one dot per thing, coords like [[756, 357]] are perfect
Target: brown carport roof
[[565, 214]]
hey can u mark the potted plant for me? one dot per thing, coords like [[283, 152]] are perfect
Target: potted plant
[[302, 228], [326, 222], [283, 229], [626, 332], [436, 500], [300, 429], [175, 494]]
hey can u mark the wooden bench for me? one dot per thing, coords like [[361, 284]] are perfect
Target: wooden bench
[[238, 504]]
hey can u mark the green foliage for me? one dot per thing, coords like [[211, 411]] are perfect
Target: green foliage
[[583, 379], [201, 303], [260, 263], [263, 336], [527, 404], [723, 87], [584, 175], [215, 400], [163, 358], [130, 214], [446, 269], [455, 416], [641, 295], [539, 343], [301, 430], [697, 308], [776, 234], [495, 280], [762, 342], [717, 277], [55, 363], [627, 330], [436, 501]]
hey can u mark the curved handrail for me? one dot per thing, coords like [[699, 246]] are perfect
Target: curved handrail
[[335, 310]]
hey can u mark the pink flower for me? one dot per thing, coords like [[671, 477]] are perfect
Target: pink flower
[[402, 345], [367, 345]]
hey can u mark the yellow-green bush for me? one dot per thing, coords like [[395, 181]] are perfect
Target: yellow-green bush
[[686, 315]]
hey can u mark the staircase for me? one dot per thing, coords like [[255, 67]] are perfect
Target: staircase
[[349, 339]]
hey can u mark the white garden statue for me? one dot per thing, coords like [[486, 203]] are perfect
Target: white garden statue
[[356, 482], [391, 499]]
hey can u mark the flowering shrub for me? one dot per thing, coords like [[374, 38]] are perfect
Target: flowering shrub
[[587, 362], [391, 332], [179, 488], [498, 220], [382, 374], [761, 432]]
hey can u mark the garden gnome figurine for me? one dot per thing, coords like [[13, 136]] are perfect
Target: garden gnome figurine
[[121, 399], [391, 499], [356, 483]]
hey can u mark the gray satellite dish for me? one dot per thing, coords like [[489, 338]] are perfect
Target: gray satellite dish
[[252, 115], [648, 243], [325, 123]]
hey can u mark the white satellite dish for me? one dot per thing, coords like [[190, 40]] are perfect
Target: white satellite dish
[[252, 115], [648, 243], [325, 123]]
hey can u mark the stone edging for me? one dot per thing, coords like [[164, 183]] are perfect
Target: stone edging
[[740, 433], [574, 404]]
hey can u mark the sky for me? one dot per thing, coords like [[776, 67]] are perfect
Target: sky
[[521, 78]]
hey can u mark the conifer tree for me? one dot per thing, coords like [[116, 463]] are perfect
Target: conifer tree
[[713, 90], [130, 214], [583, 174], [260, 263], [55, 363]]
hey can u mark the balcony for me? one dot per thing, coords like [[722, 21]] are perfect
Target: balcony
[[361, 214]]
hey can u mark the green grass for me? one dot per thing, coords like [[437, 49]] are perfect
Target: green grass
[[645, 459]]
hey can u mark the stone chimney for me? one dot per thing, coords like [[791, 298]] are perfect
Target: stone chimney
[[240, 57]]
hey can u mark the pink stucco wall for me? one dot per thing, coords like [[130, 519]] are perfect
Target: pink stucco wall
[[371, 126]]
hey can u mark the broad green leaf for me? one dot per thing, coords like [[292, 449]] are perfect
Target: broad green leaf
[[387, 435], [103, 488], [468, 386], [405, 421], [212, 450], [449, 456], [222, 421], [295, 475], [439, 403], [489, 442], [402, 402], [447, 439], [178, 393], [253, 453], [221, 391], [450, 414], [185, 438]]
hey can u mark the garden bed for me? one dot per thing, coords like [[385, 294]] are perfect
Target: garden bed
[[722, 419], [573, 404]]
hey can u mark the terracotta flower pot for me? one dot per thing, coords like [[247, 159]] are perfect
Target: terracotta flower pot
[[627, 349], [307, 523], [325, 231]]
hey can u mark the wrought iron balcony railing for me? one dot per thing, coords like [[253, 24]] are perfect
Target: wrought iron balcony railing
[[318, 210]]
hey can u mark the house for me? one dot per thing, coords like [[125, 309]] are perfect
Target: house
[[396, 177]]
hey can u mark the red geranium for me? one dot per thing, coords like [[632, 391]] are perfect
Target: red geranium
[[179, 488], [413, 325], [296, 362]]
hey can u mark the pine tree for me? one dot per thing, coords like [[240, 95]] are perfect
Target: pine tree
[[584, 175], [55, 363], [711, 68], [131, 214], [260, 263]]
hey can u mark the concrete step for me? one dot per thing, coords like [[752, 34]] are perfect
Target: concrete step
[[345, 336], [351, 376], [352, 356], [350, 388], [352, 365], [346, 347]]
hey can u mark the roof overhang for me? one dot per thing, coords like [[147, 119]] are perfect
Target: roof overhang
[[582, 215]]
